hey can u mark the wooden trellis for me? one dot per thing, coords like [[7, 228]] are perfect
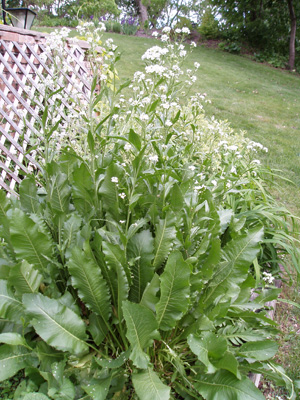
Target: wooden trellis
[[22, 70]]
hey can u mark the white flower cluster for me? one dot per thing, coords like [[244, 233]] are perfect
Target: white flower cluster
[[268, 277], [154, 111], [155, 53], [256, 146], [70, 105]]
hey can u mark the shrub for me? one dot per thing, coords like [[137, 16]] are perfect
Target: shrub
[[209, 27], [230, 47], [52, 21], [128, 262], [276, 60]]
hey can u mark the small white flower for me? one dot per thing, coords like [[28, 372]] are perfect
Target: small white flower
[[154, 34], [233, 147], [166, 29], [267, 277], [127, 147], [193, 44], [214, 182], [186, 30], [114, 179], [257, 162], [192, 167], [177, 30], [144, 117], [197, 188], [122, 221], [164, 38], [122, 195], [153, 158], [168, 123], [196, 65]]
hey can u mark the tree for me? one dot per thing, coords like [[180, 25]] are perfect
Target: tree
[[268, 25], [146, 10], [293, 20]]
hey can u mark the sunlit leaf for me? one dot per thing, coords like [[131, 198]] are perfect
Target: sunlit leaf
[[175, 292], [148, 386], [141, 331], [59, 326]]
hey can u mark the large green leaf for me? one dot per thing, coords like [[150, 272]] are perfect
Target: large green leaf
[[13, 338], [47, 355], [149, 298], [86, 276], [59, 386], [4, 205], [97, 389], [225, 386], [12, 359], [29, 242], [117, 268], [58, 325], [25, 278], [165, 234], [98, 328], [10, 307], [114, 363], [71, 228], [148, 386], [58, 193], [109, 191], [175, 292], [28, 196], [83, 190], [262, 350], [228, 362], [4, 224], [211, 350], [141, 331], [237, 256], [140, 251], [207, 348]]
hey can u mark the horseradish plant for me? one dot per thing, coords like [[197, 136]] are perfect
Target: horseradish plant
[[129, 260]]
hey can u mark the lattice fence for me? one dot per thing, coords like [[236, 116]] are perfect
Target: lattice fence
[[24, 65]]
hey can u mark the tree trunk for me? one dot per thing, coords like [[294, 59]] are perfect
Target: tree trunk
[[143, 12], [293, 34]]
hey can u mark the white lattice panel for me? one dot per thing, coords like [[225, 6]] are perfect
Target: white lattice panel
[[22, 70]]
